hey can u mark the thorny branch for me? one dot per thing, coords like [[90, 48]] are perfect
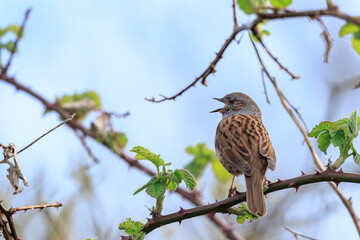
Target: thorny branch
[[7, 226], [287, 105], [224, 205], [261, 16]]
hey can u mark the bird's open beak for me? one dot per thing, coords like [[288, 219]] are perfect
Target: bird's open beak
[[220, 109]]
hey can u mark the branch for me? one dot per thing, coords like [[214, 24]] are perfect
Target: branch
[[20, 34], [211, 68], [193, 197], [333, 12], [223, 206], [41, 207], [287, 105], [296, 235]]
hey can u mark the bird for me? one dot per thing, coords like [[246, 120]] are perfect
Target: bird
[[243, 146]]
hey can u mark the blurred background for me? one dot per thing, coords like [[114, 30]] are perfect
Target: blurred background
[[129, 50]]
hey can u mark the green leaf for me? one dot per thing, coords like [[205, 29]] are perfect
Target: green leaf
[[324, 141], [280, 3], [323, 126], [337, 137], [202, 156], [8, 46], [355, 41], [220, 172], [353, 125], [241, 219], [348, 28], [15, 29], [113, 143], [81, 104], [131, 227], [249, 6], [151, 181], [145, 154], [188, 179], [357, 159], [174, 180], [156, 189], [342, 122]]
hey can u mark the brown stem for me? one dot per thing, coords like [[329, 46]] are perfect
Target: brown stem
[[223, 206]]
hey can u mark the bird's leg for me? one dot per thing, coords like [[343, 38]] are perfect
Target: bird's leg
[[231, 190]]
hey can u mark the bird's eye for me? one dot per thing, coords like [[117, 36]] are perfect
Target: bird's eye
[[231, 101]]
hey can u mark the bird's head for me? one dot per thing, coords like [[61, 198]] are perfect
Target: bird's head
[[238, 103]]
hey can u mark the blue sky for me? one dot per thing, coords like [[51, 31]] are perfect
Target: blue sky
[[129, 50]]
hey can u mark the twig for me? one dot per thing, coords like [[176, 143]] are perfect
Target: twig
[[211, 68], [87, 148], [264, 85], [293, 76], [327, 39], [316, 158], [41, 207], [224, 205], [65, 121], [296, 235], [234, 13], [4, 70]]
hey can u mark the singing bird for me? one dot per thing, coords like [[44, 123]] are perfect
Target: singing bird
[[243, 146]]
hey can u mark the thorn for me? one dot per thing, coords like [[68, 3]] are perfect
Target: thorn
[[337, 184], [302, 173], [350, 200], [317, 172], [212, 214], [148, 219], [180, 222], [268, 181], [341, 171], [181, 210], [291, 184], [297, 188], [216, 200], [278, 180]]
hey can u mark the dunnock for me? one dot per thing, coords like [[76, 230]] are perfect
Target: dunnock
[[243, 146]]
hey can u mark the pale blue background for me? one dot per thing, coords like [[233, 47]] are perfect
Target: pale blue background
[[129, 50]]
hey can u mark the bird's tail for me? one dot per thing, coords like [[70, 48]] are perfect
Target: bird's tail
[[254, 194]]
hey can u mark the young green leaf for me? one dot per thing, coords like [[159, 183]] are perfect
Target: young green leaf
[[151, 181], [240, 219], [353, 125], [8, 46], [355, 41], [342, 122], [348, 28], [280, 3], [357, 159], [131, 227], [249, 6], [174, 179], [337, 137], [156, 189], [145, 154], [323, 126], [188, 179], [324, 141]]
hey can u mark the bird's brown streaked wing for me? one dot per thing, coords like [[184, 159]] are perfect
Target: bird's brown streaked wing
[[266, 149], [235, 152]]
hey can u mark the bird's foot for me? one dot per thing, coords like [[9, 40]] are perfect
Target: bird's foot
[[232, 192]]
